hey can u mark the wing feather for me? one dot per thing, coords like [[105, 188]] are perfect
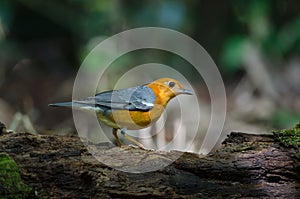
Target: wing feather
[[136, 98]]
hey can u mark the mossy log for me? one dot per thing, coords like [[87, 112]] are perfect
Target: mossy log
[[245, 166]]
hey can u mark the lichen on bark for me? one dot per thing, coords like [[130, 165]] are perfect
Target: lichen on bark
[[11, 184], [290, 138]]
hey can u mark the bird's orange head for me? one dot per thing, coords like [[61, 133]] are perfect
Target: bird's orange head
[[167, 88]]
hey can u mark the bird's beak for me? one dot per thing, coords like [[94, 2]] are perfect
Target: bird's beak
[[184, 91]]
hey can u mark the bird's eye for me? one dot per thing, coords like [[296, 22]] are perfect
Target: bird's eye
[[171, 84]]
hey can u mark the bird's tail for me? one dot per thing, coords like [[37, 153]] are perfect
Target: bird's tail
[[75, 105], [62, 104]]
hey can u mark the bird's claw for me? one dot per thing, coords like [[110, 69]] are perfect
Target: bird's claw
[[140, 147], [132, 146]]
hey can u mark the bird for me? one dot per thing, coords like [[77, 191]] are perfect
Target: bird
[[130, 108]]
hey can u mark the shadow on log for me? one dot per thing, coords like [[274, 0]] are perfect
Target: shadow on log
[[246, 166]]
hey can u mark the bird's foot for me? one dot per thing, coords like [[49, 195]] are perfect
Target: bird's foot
[[132, 146], [137, 144], [140, 147]]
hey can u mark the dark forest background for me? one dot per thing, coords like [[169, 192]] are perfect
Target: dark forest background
[[254, 43]]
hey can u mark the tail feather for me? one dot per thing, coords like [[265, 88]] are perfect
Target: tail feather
[[62, 104], [76, 105]]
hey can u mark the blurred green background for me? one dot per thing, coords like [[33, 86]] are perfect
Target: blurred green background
[[255, 44]]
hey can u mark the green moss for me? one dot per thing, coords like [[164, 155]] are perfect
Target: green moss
[[11, 184], [290, 138]]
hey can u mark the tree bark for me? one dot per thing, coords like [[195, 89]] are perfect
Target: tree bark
[[245, 166]]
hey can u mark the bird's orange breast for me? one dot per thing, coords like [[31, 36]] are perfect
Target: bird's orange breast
[[132, 120]]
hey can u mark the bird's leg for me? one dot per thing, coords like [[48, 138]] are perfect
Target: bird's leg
[[131, 139], [115, 131]]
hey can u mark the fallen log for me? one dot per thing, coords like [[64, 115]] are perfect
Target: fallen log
[[245, 166]]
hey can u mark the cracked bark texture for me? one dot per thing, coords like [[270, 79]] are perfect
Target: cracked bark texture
[[246, 166]]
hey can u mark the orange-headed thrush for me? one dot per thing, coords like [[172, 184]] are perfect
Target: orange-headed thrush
[[130, 108]]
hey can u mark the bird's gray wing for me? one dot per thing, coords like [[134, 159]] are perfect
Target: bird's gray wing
[[136, 98]]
